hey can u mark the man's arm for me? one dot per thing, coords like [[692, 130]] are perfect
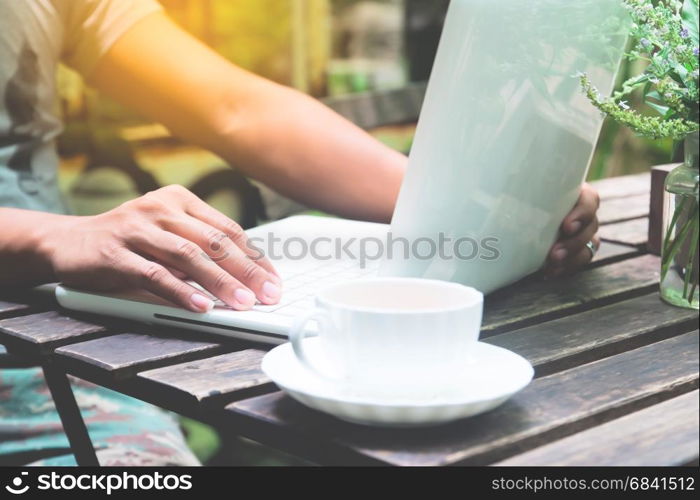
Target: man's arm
[[150, 243], [21, 259], [274, 134]]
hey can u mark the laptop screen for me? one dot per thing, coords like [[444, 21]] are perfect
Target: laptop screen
[[505, 137]]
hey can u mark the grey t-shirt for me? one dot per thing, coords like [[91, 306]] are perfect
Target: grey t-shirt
[[35, 35]]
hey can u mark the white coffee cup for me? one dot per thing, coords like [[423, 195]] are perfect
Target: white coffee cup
[[391, 337]]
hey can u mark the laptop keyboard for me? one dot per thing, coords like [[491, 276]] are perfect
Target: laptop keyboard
[[303, 280]]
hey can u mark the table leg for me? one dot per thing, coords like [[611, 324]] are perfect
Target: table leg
[[73, 423]]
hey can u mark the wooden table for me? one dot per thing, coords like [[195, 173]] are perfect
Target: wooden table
[[616, 370]]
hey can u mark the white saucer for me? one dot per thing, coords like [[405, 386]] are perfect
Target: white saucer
[[490, 377]]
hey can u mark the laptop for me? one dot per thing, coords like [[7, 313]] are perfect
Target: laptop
[[504, 141]]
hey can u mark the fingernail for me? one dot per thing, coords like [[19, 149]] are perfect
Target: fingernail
[[271, 291], [202, 303], [575, 227], [245, 298], [560, 254]]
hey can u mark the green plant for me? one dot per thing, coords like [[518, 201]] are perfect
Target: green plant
[[665, 35]]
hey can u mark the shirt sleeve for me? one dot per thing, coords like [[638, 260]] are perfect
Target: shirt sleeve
[[93, 26]]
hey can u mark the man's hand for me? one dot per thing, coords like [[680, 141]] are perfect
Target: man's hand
[[153, 243], [578, 229]]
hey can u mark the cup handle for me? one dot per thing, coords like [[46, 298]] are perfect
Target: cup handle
[[298, 333]]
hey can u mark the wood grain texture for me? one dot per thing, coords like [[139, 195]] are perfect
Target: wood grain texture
[[622, 209], [666, 434], [580, 338], [550, 408], [8, 309], [622, 187], [211, 381], [656, 207], [612, 252], [121, 356], [535, 300], [633, 232], [42, 333]]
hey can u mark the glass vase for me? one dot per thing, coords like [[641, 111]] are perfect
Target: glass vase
[[680, 260]]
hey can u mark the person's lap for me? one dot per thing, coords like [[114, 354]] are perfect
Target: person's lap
[[124, 431]]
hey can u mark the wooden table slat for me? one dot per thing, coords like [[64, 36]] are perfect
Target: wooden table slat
[[8, 309], [120, 356], [213, 380], [623, 187], [612, 252], [536, 301], [622, 209], [580, 338], [550, 408], [43, 332], [634, 232], [666, 434]]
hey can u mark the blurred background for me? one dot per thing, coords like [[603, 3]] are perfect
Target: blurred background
[[356, 55]]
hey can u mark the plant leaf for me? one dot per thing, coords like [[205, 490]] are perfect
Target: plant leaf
[[680, 208], [690, 266], [631, 85], [674, 248], [662, 110], [681, 71], [659, 108], [690, 19]]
